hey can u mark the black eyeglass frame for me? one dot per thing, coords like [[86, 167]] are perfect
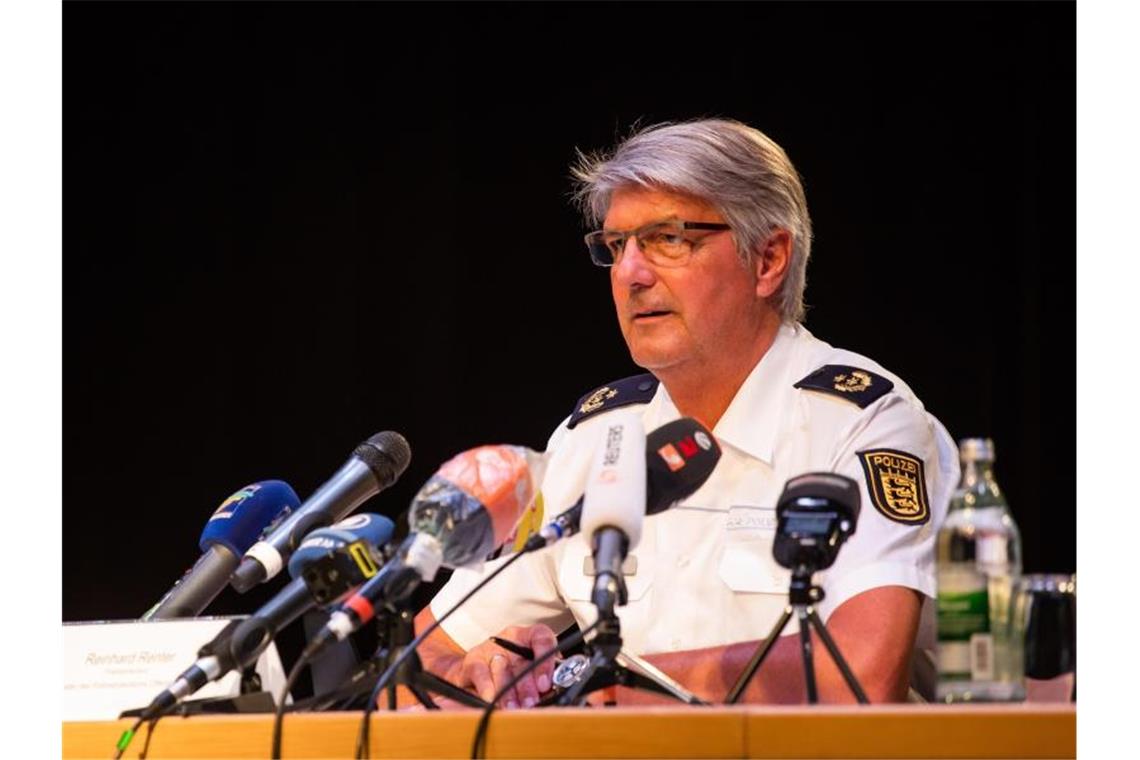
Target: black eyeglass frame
[[595, 241]]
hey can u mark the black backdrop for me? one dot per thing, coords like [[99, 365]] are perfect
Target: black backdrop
[[290, 226]]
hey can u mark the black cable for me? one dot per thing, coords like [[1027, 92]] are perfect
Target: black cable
[[290, 682], [479, 745], [363, 750], [149, 733]]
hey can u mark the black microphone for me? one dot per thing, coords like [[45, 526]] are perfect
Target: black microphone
[[679, 457], [230, 531], [240, 643], [815, 514], [374, 466]]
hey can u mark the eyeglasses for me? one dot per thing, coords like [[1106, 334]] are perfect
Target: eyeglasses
[[665, 244]]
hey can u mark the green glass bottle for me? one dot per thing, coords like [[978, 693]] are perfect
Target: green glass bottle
[[980, 643]]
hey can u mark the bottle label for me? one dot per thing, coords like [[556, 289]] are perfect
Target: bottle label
[[982, 657], [993, 549], [963, 625]]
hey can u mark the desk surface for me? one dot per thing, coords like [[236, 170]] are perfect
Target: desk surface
[[902, 731]]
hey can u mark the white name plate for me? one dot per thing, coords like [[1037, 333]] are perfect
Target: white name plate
[[111, 666]]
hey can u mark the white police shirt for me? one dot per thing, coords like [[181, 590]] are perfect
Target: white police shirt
[[704, 574]]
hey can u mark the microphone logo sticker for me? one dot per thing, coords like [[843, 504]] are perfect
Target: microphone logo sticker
[[672, 458], [363, 558], [354, 522], [703, 440], [321, 542], [688, 447], [233, 501], [613, 445]]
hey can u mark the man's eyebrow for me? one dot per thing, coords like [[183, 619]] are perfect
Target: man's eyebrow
[[670, 218]]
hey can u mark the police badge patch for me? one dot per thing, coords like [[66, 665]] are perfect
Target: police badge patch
[[897, 484]]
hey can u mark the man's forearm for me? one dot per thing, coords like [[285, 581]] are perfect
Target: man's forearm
[[874, 632], [711, 673]]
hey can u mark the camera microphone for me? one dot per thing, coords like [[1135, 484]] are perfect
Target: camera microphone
[[815, 514]]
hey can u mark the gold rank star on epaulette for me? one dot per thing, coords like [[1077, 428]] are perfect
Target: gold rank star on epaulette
[[853, 384], [638, 389]]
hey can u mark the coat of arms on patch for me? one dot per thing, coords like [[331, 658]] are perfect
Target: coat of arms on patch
[[897, 484]]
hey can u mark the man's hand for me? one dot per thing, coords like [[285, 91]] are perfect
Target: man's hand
[[488, 667]]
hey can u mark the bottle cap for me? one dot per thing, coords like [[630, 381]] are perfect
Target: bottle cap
[[976, 449]]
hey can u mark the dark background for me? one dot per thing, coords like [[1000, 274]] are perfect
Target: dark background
[[290, 226]]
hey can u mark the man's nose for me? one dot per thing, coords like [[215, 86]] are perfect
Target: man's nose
[[632, 268]]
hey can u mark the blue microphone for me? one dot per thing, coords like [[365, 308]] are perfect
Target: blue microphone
[[236, 525], [366, 530]]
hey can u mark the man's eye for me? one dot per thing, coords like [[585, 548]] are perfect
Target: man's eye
[[615, 245], [662, 237]]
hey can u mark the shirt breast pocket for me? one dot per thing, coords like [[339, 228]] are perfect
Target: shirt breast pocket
[[746, 564], [576, 574]]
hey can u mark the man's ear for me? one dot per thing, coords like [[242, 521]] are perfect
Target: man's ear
[[771, 260]]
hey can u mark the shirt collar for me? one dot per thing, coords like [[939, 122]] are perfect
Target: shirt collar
[[753, 417]]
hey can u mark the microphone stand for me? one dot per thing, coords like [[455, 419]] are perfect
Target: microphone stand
[[608, 666], [803, 595], [398, 632]]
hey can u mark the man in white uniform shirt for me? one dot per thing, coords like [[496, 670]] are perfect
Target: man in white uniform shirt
[[706, 232]]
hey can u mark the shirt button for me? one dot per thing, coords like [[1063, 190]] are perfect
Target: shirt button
[[682, 561], [676, 643]]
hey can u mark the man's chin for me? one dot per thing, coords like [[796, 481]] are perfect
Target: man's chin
[[654, 359]]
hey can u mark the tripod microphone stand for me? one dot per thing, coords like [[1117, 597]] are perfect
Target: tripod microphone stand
[[608, 666], [803, 595], [400, 631]]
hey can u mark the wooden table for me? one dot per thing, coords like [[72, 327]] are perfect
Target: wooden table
[[902, 731]]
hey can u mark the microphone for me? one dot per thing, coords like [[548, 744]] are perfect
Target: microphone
[[615, 506], [470, 506], [240, 643], [815, 514], [374, 465], [333, 560], [679, 457], [461, 515], [231, 530]]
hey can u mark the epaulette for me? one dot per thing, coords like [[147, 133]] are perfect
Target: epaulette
[[858, 386], [638, 389]]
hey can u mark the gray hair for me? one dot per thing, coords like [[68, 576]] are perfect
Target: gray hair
[[737, 169]]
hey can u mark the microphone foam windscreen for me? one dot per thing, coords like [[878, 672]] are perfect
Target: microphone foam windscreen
[[680, 457], [616, 486], [375, 529], [237, 524], [497, 477]]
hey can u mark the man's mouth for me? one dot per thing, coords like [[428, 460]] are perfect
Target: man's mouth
[[651, 314]]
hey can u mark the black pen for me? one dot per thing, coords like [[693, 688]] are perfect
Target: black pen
[[525, 652]]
